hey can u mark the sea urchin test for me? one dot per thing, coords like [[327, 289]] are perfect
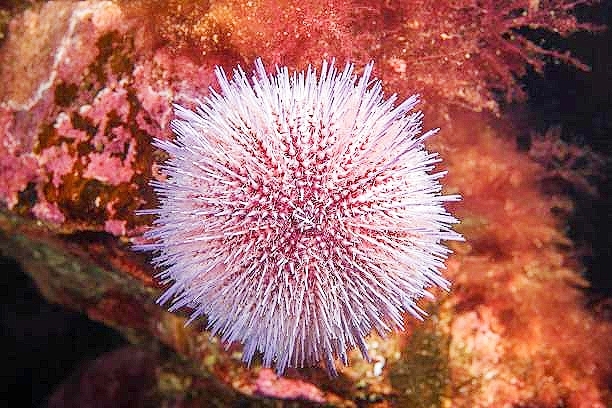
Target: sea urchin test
[[299, 212]]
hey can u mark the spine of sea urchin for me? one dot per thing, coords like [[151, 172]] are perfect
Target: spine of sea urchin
[[299, 213]]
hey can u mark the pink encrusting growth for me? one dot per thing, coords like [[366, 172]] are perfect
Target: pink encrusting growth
[[300, 213]]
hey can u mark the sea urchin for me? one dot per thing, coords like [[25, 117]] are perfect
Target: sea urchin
[[299, 213]]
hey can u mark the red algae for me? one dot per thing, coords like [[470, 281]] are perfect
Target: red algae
[[519, 331], [465, 51], [468, 51], [148, 54]]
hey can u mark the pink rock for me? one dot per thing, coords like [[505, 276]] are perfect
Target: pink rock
[[57, 161], [49, 212], [269, 384], [109, 169], [115, 227]]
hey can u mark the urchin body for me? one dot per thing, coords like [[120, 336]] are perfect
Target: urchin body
[[299, 213]]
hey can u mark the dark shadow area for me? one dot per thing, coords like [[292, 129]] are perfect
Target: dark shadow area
[[580, 104], [42, 343]]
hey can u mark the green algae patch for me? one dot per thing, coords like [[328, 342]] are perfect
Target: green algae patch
[[422, 377]]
